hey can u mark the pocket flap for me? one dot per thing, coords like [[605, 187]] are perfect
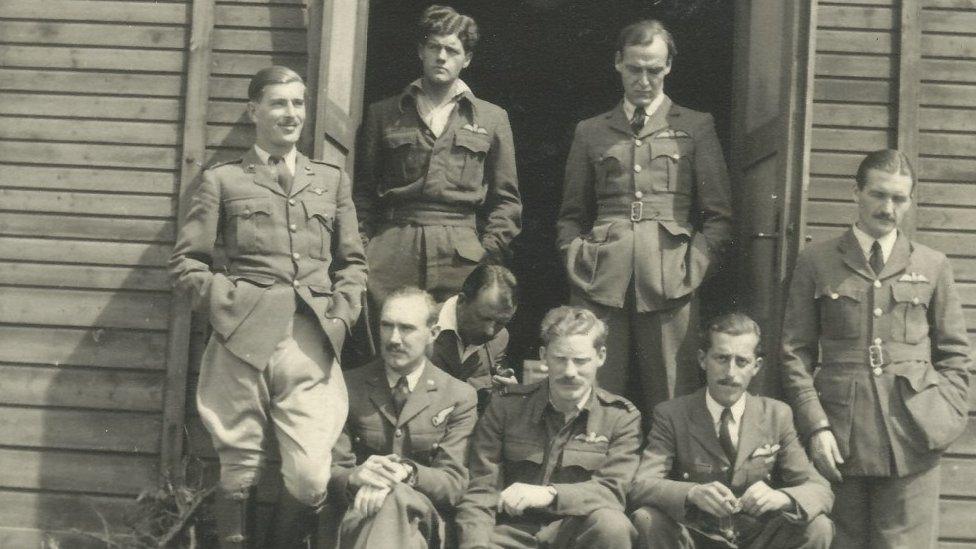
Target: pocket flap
[[842, 290], [599, 233], [469, 248], [831, 387], [320, 290], [675, 228], [257, 280], [919, 378], [586, 458], [319, 208], [474, 143], [394, 140], [665, 147], [246, 207], [520, 450], [916, 293]]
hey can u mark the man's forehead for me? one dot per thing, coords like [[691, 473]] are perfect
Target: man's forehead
[[654, 52], [892, 183], [285, 90], [445, 40], [734, 343], [405, 310]]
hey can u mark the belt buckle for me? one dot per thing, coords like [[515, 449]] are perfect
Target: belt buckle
[[876, 357], [636, 210]]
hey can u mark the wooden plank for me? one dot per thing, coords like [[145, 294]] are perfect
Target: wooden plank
[[88, 155], [858, 42], [246, 64], [76, 472], [90, 131], [949, 21], [949, 194], [79, 430], [260, 17], [277, 41], [856, 116], [948, 71], [85, 179], [84, 308], [100, 107], [95, 228], [947, 144], [35, 80], [966, 444], [942, 217], [58, 57], [950, 243], [957, 477], [236, 136], [852, 91], [946, 169], [104, 348], [945, 118], [81, 388], [227, 112], [32, 537], [51, 511], [948, 45], [84, 277], [856, 66], [92, 34], [909, 57], [950, 95], [233, 88], [948, 4], [956, 519], [87, 203], [96, 10], [834, 163], [851, 140], [855, 17], [79, 251]]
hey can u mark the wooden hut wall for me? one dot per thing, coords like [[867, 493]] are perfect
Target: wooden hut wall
[[903, 74]]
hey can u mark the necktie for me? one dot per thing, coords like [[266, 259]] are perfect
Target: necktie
[[280, 169], [725, 434], [877, 258], [637, 121], [400, 393]]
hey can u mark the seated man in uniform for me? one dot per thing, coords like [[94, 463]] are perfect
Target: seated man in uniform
[[551, 462], [399, 463], [723, 468], [472, 338]]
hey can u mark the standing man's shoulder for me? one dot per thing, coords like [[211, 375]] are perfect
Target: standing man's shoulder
[[616, 405], [690, 119], [923, 255], [226, 168]]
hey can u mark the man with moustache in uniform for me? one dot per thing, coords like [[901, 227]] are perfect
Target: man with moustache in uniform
[[280, 311], [878, 316], [645, 216]]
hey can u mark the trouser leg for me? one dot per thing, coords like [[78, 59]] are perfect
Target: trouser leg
[[905, 511], [665, 348], [406, 516], [851, 513], [656, 529], [601, 528], [783, 534]]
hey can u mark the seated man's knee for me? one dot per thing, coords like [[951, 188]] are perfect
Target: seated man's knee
[[655, 528], [609, 528], [819, 532]]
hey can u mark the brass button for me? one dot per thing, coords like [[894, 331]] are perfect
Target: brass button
[[291, 202], [877, 283], [684, 475], [877, 341], [676, 156], [638, 142], [915, 300], [296, 283], [834, 295], [878, 311], [398, 433], [637, 168], [876, 371], [296, 257], [638, 195], [293, 228]]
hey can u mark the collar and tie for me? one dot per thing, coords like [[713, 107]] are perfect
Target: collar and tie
[[725, 434], [401, 392], [877, 258], [280, 170], [637, 121]]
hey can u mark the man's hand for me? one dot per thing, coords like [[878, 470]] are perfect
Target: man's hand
[[520, 496], [379, 472], [826, 455], [760, 498], [714, 498], [369, 499]]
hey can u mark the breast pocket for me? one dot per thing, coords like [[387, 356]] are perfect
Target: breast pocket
[[840, 311], [320, 216], [467, 161], [671, 160], [248, 225], [909, 319], [404, 161], [585, 457]]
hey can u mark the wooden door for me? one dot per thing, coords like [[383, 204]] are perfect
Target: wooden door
[[770, 60]]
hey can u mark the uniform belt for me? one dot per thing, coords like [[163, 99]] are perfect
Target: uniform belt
[[645, 210], [888, 352], [427, 214]]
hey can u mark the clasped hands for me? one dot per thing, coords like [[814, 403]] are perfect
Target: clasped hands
[[375, 478], [518, 497], [715, 498]]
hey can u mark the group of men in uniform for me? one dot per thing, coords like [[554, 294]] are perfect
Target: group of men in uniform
[[435, 443]]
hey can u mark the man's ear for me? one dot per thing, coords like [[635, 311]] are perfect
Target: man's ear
[[759, 363], [701, 359], [251, 107], [467, 60], [434, 331], [618, 62], [601, 354]]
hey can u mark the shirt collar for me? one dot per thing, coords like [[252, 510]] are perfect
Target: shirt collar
[[865, 240], [715, 409], [650, 109], [290, 157], [412, 378], [447, 318]]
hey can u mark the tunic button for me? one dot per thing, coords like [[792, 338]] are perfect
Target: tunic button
[[296, 283], [877, 341], [296, 257], [684, 475], [876, 371], [877, 283], [293, 228], [878, 312], [834, 295], [638, 142], [291, 201], [915, 300], [637, 168], [676, 157], [398, 433], [638, 195]]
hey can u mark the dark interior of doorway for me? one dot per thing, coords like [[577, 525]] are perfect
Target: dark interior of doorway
[[549, 64]]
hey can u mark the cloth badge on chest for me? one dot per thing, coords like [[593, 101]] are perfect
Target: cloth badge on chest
[[475, 128], [591, 438], [439, 417], [913, 278]]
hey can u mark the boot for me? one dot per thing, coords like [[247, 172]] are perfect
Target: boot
[[231, 512], [293, 523]]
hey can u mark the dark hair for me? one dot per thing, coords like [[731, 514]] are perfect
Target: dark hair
[[433, 309], [442, 20], [885, 160], [275, 74], [484, 277], [731, 324], [644, 32], [566, 321]]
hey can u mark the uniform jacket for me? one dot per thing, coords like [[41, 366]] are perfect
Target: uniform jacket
[[470, 172], [837, 310], [432, 431], [683, 450], [278, 247], [654, 208], [479, 367], [510, 445]]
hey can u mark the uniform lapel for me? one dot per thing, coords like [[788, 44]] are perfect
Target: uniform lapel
[[420, 397], [445, 353], [304, 170], [379, 392], [702, 427], [659, 119], [752, 431], [900, 257], [617, 120], [852, 254], [260, 171]]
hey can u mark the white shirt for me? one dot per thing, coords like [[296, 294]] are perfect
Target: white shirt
[[412, 378], [436, 116], [650, 109], [866, 241], [447, 322], [289, 158], [715, 410]]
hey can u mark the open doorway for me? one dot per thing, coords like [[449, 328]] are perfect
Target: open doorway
[[549, 63]]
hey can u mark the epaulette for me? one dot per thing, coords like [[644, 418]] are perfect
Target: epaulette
[[330, 164], [225, 162], [614, 400], [520, 389]]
